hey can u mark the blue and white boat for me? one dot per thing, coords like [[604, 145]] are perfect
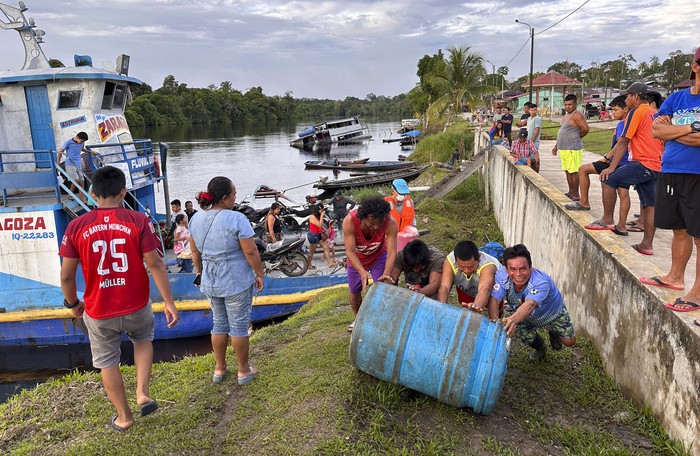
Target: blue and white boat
[[40, 108]]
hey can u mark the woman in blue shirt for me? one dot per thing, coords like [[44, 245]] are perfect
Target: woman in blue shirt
[[228, 266]]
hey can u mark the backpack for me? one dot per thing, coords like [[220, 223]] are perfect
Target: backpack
[[494, 249]]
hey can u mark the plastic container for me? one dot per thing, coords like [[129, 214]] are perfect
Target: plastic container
[[408, 234], [454, 355]]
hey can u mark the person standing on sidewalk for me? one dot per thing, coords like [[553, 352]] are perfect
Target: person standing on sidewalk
[[678, 191], [569, 145], [534, 133]]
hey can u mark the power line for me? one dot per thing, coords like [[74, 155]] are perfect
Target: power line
[[563, 18], [518, 53]]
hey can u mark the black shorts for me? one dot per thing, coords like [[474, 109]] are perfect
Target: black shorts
[[599, 166], [678, 203]]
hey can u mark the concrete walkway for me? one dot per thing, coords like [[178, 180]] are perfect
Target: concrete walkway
[[660, 262]]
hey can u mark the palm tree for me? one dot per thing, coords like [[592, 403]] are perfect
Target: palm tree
[[458, 79]]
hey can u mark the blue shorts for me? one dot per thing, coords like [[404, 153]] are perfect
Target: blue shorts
[[634, 173], [314, 238], [232, 313]]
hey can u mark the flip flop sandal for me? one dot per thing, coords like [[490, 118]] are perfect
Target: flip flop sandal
[[248, 378], [635, 229], [148, 408], [620, 233], [115, 426], [597, 226], [657, 282], [692, 305], [576, 206], [642, 251], [696, 322]]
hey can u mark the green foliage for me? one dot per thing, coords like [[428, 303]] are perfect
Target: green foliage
[[439, 147], [55, 63], [458, 80], [176, 104]]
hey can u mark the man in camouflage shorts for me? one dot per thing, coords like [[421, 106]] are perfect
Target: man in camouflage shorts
[[535, 300]]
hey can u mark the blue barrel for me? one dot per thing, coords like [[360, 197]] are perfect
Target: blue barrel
[[454, 355]]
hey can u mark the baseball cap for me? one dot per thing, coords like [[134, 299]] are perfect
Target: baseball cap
[[695, 59], [636, 87], [338, 193], [522, 133], [400, 186]]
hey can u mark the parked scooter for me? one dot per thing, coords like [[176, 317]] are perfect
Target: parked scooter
[[285, 256], [296, 218]]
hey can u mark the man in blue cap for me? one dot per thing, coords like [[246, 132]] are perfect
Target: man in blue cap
[[402, 209]]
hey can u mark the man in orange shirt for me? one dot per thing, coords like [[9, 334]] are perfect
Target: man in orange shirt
[[642, 170], [402, 209]]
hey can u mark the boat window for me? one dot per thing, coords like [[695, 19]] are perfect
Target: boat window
[[108, 95], [119, 97], [69, 99]]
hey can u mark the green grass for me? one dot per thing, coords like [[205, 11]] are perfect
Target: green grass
[[597, 140], [438, 148], [308, 400]]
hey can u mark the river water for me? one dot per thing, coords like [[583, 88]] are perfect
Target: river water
[[255, 154], [250, 155]]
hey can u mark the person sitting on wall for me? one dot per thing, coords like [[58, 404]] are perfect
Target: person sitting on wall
[[523, 150], [472, 272], [535, 301], [422, 266]]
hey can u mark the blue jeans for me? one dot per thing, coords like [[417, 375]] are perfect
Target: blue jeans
[[231, 314]]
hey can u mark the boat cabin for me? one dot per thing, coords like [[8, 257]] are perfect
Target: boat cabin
[[40, 109]]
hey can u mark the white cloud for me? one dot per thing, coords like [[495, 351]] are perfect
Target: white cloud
[[332, 48]]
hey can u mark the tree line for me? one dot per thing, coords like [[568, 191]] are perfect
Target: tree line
[[176, 104]]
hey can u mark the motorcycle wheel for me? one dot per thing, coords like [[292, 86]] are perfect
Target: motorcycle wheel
[[291, 224], [294, 264]]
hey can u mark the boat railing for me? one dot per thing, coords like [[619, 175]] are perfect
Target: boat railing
[[19, 173], [138, 155]]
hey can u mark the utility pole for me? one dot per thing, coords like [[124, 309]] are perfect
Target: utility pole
[[532, 51]]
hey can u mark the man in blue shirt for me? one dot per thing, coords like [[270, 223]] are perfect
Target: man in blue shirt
[[72, 165], [535, 301], [678, 188]]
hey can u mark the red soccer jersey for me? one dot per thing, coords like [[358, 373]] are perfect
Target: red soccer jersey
[[110, 244]]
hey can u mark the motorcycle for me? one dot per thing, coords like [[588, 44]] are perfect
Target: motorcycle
[[296, 219], [284, 256], [256, 217]]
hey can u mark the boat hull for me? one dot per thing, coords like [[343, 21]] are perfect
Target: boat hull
[[55, 326], [375, 179], [361, 167]]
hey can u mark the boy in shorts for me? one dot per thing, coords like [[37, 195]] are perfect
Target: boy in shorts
[[619, 112], [111, 244]]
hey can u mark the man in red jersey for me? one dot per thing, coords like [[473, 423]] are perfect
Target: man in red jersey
[[370, 245], [111, 244]]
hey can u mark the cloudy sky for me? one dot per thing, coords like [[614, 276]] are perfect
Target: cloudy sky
[[334, 48]]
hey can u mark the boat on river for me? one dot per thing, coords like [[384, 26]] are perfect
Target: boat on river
[[342, 131], [41, 108], [371, 179], [360, 167]]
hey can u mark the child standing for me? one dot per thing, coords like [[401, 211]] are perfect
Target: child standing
[[182, 244]]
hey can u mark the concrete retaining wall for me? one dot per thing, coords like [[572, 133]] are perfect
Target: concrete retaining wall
[[652, 353]]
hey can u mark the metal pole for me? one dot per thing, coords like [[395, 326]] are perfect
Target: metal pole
[[532, 51]]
